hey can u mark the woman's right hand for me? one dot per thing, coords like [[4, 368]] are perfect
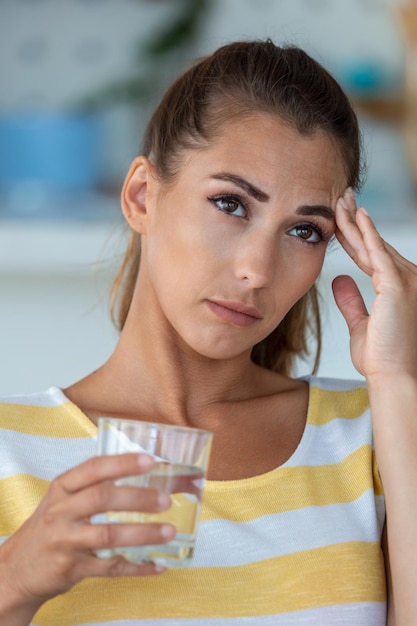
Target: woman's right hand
[[55, 548]]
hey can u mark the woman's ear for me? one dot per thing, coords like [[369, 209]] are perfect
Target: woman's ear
[[138, 187]]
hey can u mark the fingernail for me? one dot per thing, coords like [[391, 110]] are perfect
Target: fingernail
[[167, 531], [159, 569], [164, 500], [343, 203], [364, 211], [145, 461]]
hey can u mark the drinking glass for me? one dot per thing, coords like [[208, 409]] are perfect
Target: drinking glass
[[181, 459]]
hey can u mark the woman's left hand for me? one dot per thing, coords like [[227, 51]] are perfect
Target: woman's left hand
[[383, 342]]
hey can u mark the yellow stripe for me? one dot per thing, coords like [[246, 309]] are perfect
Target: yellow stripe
[[295, 488], [335, 575], [378, 488], [325, 405], [63, 421], [66, 420], [19, 497]]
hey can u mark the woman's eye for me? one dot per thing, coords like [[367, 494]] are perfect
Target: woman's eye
[[310, 234], [229, 205]]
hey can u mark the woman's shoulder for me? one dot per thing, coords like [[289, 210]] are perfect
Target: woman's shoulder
[[53, 396], [335, 398], [33, 412], [47, 413], [35, 403]]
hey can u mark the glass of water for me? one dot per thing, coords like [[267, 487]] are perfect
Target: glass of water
[[182, 456]]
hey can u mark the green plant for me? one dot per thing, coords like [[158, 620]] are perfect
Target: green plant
[[153, 55]]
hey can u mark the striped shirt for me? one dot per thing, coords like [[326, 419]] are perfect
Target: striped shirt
[[297, 545]]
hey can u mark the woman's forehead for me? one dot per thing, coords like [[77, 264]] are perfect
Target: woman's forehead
[[265, 144]]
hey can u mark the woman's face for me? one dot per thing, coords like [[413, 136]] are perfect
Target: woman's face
[[241, 235]]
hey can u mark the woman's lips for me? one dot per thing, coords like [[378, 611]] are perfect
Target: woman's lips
[[234, 312]]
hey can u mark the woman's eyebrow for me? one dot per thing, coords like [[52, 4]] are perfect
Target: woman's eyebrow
[[250, 189], [258, 194], [316, 209]]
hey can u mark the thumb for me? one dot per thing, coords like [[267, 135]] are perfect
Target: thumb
[[349, 301]]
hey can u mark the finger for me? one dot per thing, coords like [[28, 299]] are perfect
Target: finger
[[349, 301], [108, 496], [109, 536], [118, 566], [100, 468], [191, 483], [350, 236], [350, 200], [384, 258], [390, 267]]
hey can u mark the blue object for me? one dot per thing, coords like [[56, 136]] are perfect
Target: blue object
[[363, 77], [58, 149]]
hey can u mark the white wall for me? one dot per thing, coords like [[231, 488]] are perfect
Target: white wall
[[54, 321]]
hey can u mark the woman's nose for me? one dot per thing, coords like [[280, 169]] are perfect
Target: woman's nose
[[256, 259]]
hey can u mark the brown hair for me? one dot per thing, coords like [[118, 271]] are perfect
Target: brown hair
[[238, 79]]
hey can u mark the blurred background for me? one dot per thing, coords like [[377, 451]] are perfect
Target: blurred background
[[78, 79]]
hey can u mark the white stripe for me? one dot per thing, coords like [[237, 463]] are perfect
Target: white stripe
[[42, 457], [222, 543], [50, 397], [335, 384], [331, 443]]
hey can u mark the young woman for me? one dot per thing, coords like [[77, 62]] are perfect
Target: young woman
[[310, 507]]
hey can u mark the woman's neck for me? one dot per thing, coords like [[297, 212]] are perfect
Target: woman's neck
[[157, 378]]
